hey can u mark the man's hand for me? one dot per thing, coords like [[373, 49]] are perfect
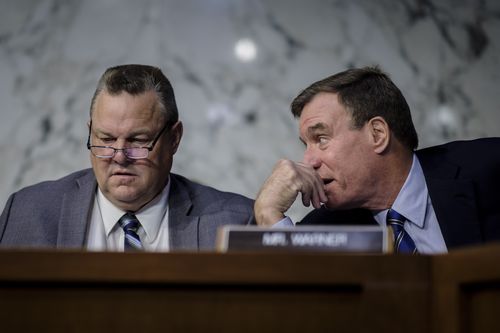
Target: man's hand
[[280, 190]]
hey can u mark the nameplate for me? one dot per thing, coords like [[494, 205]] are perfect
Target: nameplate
[[343, 239]]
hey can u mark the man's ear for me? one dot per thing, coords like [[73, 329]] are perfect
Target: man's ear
[[380, 134], [176, 132]]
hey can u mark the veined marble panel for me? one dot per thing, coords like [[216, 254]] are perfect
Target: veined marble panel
[[235, 66]]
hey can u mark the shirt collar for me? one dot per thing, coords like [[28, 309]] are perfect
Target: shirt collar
[[411, 201], [150, 216]]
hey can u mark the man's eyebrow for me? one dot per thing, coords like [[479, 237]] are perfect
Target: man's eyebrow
[[100, 131], [316, 127]]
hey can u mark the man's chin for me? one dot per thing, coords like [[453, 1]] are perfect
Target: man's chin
[[124, 193], [330, 206], [335, 205], [125, 201]]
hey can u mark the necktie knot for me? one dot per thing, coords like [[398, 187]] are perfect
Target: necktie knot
[[402, 241], [395, 219], [130, 224]]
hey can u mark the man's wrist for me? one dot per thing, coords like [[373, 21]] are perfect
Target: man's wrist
[[268, 217]]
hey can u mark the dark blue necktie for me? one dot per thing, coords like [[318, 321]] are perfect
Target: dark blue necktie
[[130, 225], [402, 241]]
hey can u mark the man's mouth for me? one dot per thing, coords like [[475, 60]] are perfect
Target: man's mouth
[[327, 181], [122, 173]]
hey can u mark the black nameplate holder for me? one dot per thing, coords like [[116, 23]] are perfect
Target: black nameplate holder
[[343, 239]]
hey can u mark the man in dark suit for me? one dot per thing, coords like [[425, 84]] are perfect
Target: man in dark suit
[[129, 200], [361, 165]]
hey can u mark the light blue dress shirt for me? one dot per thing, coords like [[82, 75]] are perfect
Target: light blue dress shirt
[[414, 203]]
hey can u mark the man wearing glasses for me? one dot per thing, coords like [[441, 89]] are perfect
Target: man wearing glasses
[[129, 200]]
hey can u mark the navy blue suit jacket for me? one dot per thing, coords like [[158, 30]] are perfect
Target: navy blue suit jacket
[[463, 179]]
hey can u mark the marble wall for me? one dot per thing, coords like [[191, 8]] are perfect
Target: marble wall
[[235, 66]]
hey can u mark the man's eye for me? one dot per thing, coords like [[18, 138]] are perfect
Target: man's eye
[[139, 141], [322, 140], [107, 140]]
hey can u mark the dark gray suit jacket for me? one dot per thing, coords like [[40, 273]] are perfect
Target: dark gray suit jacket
[[56, 214], [463, 180]]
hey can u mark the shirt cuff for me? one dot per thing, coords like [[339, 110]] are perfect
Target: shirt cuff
[[284, 223]]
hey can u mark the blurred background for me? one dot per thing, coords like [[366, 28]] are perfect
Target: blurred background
[[235, 66]]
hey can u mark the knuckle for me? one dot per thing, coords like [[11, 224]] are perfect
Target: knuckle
[[285, 164]]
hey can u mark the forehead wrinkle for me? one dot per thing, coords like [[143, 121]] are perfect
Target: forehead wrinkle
[[131, 133]]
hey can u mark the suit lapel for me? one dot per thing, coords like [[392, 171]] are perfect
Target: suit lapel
[[453, 201], [183, 228], [76, 207]]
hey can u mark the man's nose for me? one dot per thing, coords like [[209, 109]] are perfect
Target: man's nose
[[120, 157], [312, 159]]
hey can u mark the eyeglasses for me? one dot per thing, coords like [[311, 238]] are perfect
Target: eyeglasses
[[134, 153]]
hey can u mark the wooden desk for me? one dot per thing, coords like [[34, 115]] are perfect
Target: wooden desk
[[48, 291], [466, 291]]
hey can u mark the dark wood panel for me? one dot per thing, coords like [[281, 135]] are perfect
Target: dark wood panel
[[481, 307], [466, 290], [180, 309]]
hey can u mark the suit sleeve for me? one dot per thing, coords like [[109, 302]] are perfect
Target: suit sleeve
[[4, 218]]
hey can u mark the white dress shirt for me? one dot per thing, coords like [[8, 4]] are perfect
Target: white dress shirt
[[105, 234]]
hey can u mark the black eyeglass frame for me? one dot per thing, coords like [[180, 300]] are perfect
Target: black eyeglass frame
[[115, 150]]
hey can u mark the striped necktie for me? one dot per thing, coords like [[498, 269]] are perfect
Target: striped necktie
[[402, 241], [130, 225]]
